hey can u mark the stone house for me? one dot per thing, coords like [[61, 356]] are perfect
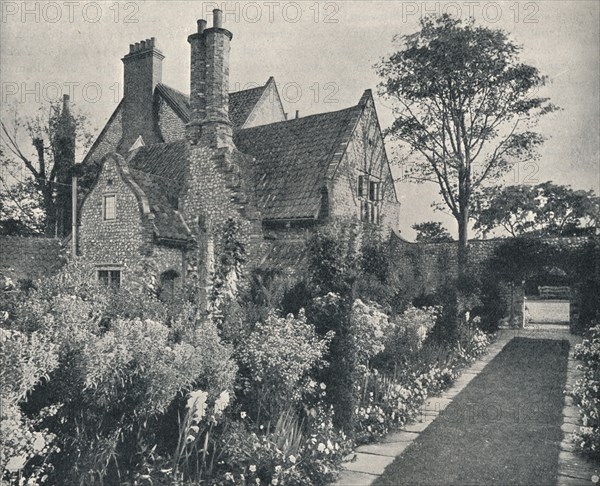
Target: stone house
[[175, 168]]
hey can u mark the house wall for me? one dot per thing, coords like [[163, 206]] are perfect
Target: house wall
[[170, 125], [365, 155], [268, 109], [217, 189], [127, 242], [108, 141], [119, 242]]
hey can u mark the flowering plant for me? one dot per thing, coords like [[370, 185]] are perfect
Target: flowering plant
[[279, 356], [586, 393]]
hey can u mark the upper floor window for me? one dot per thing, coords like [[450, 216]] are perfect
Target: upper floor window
[[110, 277], [370, 193], [369, 188], [109, 208]]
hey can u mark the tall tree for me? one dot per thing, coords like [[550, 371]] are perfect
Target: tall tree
[[43, 148], [464, 105], [432, 232], [544, 209]]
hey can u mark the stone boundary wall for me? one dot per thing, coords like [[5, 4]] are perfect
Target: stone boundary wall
[[24, 258], [426, 266]]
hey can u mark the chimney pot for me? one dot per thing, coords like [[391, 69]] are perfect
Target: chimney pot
[[137, 46], [142, 44], [201, 25], [217, 18], [297, 113], [131, 48]]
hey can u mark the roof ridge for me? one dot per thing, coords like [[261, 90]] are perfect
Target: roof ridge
[[314, 115]]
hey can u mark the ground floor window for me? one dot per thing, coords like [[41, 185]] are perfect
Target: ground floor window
[[110, 277]]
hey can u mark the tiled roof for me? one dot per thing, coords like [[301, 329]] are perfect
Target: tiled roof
[[241, 103], [167, 221], [292, 158], [165, 160], [159, 171]]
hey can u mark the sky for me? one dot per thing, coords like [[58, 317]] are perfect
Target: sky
[[322, 55]]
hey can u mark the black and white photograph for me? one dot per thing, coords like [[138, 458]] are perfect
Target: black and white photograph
[[300, 243]]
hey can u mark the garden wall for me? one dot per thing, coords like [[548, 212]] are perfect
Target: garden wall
[[425, 267], [29, 258]]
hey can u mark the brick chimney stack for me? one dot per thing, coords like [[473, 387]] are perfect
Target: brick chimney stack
[[142, 72], [209, 84]]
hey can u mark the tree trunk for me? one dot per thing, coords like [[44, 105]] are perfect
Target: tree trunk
[[49, 207], [463, 240]]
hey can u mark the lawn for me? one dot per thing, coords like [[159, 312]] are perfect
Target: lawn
[[503, 428]]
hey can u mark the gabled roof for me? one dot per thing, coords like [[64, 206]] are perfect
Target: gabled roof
[[292, 160], [165, 160], [168, 223], [241, 103], [159, 171]]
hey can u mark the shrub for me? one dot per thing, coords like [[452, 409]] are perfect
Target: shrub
[[279, 356], [370, 328], [24, 444], [586, 393], [407, 336], [116, 375]]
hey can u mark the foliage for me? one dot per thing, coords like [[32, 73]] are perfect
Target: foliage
[[432, 232], [27, 361], [280, 355], [544, 209], [21, 210], [288, 455], [40, 145], [410, 330], [119, 371], [370, 327], [464, 107], [584, 264], [228, 272], [586, 393], [389, 399]]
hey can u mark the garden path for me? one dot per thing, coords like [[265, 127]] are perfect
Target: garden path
[[506, 423]]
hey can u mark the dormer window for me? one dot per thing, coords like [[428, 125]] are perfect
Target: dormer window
[[109, 207]]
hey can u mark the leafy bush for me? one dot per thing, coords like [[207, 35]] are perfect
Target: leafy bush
[[370, 328], [586, 393], [115, 377], [279, 356], [24, 444], [409, 332]]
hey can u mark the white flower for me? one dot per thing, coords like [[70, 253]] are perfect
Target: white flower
[[243, 415], [274, 481], [16, 463], [229, 476], [39, 443], [252, 468], [292, 459], [197, 404], [321, 447], [222, 402], [278, 469], [323, 386]]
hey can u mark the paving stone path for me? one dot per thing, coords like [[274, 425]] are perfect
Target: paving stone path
[[371, 460]]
